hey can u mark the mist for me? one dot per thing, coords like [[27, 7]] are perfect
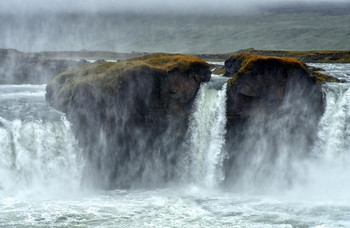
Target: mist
[[152, 6], [182, 26], [90, 139]]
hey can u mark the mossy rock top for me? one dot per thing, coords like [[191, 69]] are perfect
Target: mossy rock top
[[248, 63], [110, 77], [109, 72], [323, 56], [158, 61], [168, 62]]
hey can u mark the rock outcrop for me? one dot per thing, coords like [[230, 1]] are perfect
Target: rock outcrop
[[130, 114], [259, 82], [323, 56], [273, 108], [22, 68]]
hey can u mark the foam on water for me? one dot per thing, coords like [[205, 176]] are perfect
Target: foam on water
[[173, 207], [338, 70], [40, 170], [216, 63]]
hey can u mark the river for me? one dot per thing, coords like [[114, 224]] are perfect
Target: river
[[41, 168]]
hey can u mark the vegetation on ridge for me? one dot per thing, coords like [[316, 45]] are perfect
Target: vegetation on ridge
[[109, 70], [110, 76], [248, 61], [329, 56]]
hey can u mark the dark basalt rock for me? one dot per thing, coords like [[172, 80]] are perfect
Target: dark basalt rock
[[273, 108], [258, 81], [315, 68], [130, 116]]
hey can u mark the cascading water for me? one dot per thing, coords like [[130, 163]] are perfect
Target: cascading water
[[327, 169], [206, 136], [37, 148], [334, 128], [326, 172], [276, 155], [40, 165]]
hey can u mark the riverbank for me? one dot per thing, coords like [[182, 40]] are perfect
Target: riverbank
[[312, 56]]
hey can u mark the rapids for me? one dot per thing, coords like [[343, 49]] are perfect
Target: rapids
[[41, 169]]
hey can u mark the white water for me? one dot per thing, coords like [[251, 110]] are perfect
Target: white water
[[40, 168], [207, 136], [338, 70], [328, 171], [38, 153]]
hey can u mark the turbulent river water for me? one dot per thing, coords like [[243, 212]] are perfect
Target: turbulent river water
[[41, 166]]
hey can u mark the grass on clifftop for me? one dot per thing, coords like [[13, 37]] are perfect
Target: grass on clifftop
[[108, 75], [324, 56], [168, 62], [219, 71], [248, 61], [159, 61]]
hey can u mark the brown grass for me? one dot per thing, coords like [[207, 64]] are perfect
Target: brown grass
[[250, 60], [107, 74]]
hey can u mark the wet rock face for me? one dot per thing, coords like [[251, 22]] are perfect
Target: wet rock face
[[232, 66], [273, 108], [264, 83], [130, 116]]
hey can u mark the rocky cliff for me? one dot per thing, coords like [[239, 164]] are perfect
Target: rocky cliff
[[131, 117], [130, 114], [273, 108], [264, 83]]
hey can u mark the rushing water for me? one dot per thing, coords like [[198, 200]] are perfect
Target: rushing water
[[207, 136], [41, 165]]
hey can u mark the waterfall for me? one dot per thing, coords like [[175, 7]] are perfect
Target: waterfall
[[334, 127], [273, 156], [38, 155], [206, 136], [327, 170], [38, 151]]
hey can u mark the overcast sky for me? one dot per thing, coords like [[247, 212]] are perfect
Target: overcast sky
[[17, 6]]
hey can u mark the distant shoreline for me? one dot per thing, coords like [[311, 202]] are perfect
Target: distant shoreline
[[38, 67], [316, 56]]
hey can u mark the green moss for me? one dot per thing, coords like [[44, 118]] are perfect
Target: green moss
[[109, 75], [325, 56], [168, 62], [249, 61], [219, 71], [321, 78], [232, 80]]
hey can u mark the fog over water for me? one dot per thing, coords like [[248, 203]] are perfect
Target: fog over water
[[274, 173], [182, 26], [41, 170]]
